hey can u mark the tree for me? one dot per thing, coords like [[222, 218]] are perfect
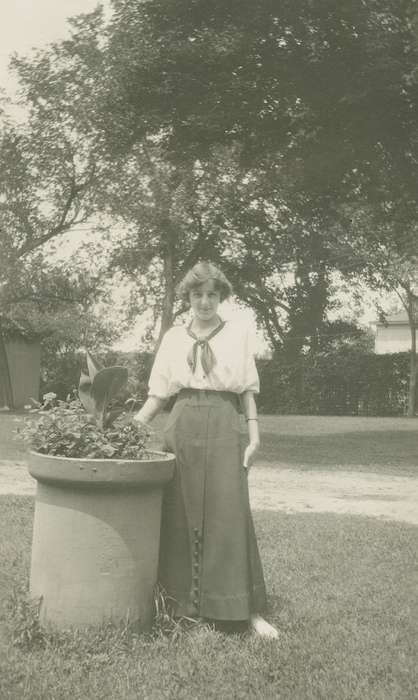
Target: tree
[[216, 208], [47, 184], [324, 82], [160, 205], [326, 92], [299, 105], [382, 249], [168, 212], [276, 255]]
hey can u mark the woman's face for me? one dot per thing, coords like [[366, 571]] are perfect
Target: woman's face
[[204, 301]]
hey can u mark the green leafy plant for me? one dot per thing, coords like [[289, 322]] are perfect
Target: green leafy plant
[[86, 424], [98, 387]]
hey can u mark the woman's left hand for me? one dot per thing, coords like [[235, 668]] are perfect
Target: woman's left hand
[[250, 454]]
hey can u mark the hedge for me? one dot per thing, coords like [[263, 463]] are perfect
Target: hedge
[[347, 381], [60, 371]]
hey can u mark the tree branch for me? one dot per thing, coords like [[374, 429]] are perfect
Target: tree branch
[[64, 224], [193, 255]]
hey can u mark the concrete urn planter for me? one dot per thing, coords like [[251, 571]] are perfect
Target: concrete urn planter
[[96, 538]]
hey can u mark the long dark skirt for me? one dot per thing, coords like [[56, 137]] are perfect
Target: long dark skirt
[[209, 560]]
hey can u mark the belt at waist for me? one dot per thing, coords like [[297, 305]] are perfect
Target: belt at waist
[[209, 394]]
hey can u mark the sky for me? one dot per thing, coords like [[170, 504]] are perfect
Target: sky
[[25, 24]]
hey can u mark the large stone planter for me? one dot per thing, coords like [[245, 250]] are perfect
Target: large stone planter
[[96, 538]]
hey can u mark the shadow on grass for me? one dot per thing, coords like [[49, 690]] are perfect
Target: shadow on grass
[[390, 451]]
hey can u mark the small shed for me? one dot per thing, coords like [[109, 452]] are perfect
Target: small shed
[[20, 362], [394, 335]]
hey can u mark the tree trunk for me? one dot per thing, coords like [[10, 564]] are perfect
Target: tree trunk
[[413, 367], [167, 313]]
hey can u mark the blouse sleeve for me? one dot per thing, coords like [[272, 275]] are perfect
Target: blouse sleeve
[[251, 378], [160, 377]]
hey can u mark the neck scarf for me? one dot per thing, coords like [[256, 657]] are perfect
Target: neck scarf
[[208, 358]]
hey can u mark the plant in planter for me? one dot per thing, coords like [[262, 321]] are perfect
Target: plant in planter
[[98, 506], [86, 425]]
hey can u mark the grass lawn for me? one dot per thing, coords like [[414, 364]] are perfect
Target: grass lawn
[[384, 445], [343, 591], [10, 448]]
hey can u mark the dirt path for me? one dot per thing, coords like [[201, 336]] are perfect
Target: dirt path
[[290, 490], [360, 493]]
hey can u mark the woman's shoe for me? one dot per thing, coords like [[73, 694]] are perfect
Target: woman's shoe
[[261, 627]]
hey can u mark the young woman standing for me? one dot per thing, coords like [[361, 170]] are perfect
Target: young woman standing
[[209, 560]]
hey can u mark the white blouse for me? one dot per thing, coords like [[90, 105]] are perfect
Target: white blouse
[[234, 369]]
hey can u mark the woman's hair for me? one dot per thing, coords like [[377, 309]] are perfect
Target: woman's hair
[[199, 274]]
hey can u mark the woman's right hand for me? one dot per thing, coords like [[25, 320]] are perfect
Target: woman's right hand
[[138, 418]]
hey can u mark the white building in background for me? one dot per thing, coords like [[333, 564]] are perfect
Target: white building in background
[[394, 335]]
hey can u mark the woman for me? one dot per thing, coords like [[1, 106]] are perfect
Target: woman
[[209, 561]]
